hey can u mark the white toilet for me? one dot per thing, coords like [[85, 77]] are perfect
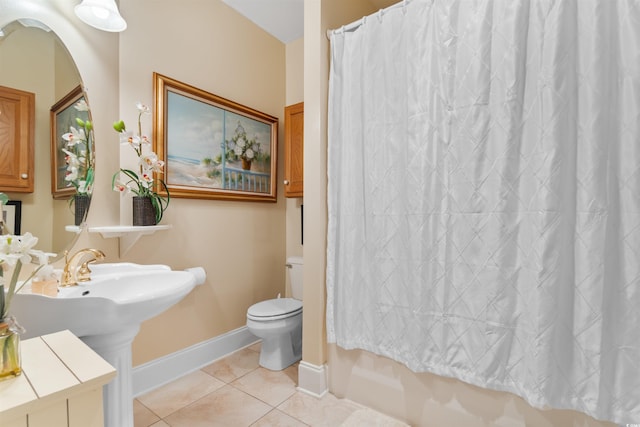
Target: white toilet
[[278, 322]]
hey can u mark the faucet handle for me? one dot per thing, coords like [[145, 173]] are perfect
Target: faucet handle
[[84, 272]]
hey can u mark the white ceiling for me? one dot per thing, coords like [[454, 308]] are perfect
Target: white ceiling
[[284, 19]]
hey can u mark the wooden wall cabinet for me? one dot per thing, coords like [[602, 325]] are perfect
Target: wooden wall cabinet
[[294, 150], [17, 133]]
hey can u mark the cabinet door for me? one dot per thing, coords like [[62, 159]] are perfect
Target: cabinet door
[[294, 150], [17, 126]]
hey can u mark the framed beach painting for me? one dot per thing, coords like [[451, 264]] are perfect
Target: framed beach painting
[[213, 148], [63, 116]]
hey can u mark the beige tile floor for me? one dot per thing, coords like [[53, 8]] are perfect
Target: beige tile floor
[[236, 392]]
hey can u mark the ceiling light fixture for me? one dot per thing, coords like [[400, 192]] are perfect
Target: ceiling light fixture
[[101, 14]]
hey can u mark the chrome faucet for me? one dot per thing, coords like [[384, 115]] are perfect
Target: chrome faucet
[[71, 277]]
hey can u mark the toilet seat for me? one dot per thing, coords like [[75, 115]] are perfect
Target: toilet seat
[[274, 309]]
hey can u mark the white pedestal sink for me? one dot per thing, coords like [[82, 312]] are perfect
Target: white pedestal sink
[[106, 313]]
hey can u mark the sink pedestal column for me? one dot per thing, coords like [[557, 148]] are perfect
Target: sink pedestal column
[[115, 348]]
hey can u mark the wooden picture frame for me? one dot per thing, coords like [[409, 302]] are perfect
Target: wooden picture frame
[[11, 217], [63, 116], [213, 148]]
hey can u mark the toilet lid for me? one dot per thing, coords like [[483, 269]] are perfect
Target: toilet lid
[[275, 307]]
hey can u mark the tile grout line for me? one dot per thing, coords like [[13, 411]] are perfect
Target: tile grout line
[[276, 407], [230, 370]]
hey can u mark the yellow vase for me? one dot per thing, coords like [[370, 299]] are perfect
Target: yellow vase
[[9, 352]]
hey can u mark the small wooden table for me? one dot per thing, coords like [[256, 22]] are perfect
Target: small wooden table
[[61, 384]]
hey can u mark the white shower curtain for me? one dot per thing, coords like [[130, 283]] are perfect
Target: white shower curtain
[[484, 196]]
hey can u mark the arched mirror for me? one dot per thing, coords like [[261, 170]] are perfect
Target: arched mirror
[[34, 60]]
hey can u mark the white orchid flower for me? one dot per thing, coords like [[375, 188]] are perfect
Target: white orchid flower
[[132, 140], [146, 180], [17, 248], [142, 108], [151, 162], [147, 159], [126, 138], [158, 166], [72, 174], [121, 187], [83, 187], [74, 137], [71, 159]]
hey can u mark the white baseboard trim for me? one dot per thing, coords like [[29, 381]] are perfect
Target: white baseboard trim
[[313, 379], [161, 371]]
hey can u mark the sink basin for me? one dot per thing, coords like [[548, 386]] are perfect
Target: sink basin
[[117, 296], [106, 313]]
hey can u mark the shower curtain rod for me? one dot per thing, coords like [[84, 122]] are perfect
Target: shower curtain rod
[[356, 24]]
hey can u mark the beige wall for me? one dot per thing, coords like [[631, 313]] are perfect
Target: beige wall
[[295, 94], [241, 245], [295, 71], [313, 331]]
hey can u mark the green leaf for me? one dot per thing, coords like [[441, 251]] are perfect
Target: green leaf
[[2, 303], [89, 177], [11, 352], [12, 287]]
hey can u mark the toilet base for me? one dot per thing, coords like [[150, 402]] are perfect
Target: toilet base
[[278, 353], [281, 341]]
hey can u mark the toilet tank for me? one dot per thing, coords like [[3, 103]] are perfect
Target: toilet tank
[[294, 266]]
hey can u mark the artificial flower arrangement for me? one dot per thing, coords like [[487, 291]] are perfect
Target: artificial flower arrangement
[[14, 250], [240, 146], [141, 183], [78, 152]]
